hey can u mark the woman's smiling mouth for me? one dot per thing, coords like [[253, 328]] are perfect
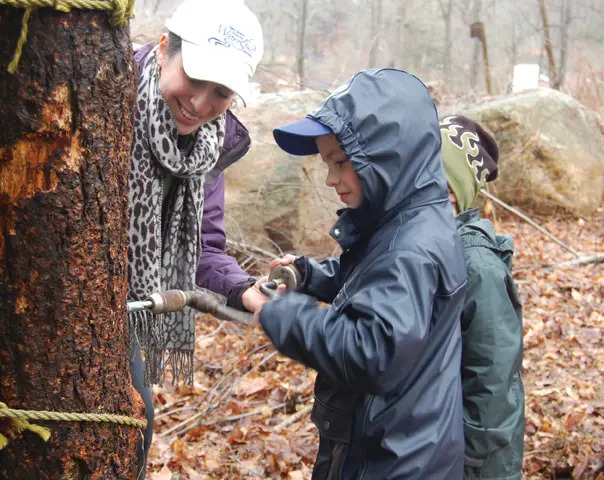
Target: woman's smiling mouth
[[186, 114]]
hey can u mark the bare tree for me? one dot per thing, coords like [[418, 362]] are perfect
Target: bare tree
[[476, 47], [301, 39], [376, 7], [566, 18], [400, 28], [446, 9], [554, 78]]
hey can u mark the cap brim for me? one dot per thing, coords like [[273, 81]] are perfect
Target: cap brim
[[298, 138], [203, 63]]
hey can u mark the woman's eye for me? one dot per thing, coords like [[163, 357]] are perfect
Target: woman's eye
[[221, 93], [339, 163]]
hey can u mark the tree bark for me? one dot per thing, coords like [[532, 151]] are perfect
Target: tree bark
[[65, 137]]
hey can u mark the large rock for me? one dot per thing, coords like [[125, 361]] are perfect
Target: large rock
[[276, 201], [551, 150]]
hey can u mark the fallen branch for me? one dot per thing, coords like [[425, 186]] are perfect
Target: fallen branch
[[531, 222], [232, 418], [250, 248], [293, 419], [597, 258]]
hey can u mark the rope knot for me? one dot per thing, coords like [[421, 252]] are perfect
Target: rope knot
[[121, 12], [18, 425], [62, 6]]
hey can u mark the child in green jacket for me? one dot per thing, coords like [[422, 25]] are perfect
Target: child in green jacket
[[491, 320]]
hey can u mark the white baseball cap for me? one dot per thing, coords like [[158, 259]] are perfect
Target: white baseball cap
[[221, 42]]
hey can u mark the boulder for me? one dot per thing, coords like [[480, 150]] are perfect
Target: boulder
[[273, 200], [551, 150]]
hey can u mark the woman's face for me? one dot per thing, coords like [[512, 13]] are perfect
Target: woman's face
[[192, 102]]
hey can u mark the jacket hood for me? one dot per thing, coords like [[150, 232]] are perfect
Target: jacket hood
[[470, 222], [387, 125]]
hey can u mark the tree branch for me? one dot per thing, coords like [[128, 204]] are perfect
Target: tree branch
[[531, 222]]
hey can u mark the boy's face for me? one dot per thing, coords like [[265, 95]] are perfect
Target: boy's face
[[193, 103], [340, 174]]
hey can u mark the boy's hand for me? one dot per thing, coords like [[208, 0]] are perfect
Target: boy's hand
[[286, 260]]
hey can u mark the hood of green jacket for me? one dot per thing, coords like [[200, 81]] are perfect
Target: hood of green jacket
[[469, 222]]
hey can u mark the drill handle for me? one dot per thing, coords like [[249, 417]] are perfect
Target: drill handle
[[175, 300]]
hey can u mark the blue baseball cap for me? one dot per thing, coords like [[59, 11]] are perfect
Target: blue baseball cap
[[298, 138]]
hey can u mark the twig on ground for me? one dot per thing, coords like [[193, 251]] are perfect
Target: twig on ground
[[531, 222], [597, 258], [168, 406], [293, 418], [242, 415]]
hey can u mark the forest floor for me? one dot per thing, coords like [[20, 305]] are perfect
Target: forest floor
[[247, 416]]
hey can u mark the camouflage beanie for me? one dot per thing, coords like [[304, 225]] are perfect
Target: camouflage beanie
[[470, 157]]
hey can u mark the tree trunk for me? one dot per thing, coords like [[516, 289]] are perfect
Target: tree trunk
[[446, 9], [553, 73], [401, 22], [376, 32], [477, 15], [565, 21], [65, 137], [301, 42]]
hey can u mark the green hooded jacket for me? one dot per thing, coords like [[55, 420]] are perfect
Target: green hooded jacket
[[491, 322]]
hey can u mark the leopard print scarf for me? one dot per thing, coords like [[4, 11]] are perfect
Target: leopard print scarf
[[164, 243]]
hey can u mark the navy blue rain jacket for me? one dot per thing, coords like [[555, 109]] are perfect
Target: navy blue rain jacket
[[387, 351]]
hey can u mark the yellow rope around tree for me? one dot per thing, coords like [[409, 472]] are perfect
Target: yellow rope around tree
[[20, 421], [121, 11]]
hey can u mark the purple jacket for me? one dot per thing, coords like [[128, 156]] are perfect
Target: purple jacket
[[216, 271]]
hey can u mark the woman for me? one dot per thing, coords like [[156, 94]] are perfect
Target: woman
[[183, 137]]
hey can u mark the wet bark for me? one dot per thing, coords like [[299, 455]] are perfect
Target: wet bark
[[65, 136]]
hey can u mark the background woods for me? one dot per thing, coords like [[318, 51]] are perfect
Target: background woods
[[312, 44]]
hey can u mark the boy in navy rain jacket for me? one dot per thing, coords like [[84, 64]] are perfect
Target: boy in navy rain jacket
[[387, 350]]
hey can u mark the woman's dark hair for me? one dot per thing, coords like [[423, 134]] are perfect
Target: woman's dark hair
[[174, 44]]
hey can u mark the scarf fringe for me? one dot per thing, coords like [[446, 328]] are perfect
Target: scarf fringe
[[146, 333], [140, 325], [179, 362]]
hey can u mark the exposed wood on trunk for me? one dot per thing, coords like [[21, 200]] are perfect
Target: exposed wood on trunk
[[65, 136]]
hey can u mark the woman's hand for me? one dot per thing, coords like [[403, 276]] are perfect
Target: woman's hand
[[253, 298], [281, 289]]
